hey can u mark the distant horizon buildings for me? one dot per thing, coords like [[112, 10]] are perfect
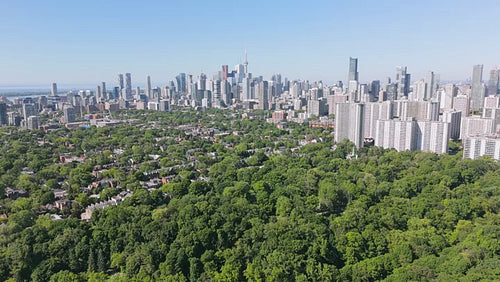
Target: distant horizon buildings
[[379, 112]]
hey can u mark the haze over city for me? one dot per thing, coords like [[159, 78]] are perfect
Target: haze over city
[[82, 43]]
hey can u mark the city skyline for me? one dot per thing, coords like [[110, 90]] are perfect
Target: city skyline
[[79, 44]]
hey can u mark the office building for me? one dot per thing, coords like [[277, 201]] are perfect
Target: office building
[[477, 90]]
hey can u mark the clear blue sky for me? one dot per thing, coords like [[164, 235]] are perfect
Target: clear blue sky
[[85, 42]]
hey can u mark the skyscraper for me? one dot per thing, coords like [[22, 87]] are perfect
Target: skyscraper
[[53, 89], [29, 109], [148, 87], [403, 82], [477, 91], [98, 93], [225, 70], [128, 86], [353, 69], [263, 96], [120, 83], [494, 82], [431, 84], [3, 114], [103, 89]]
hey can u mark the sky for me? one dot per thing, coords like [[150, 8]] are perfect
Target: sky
[[86, 42]]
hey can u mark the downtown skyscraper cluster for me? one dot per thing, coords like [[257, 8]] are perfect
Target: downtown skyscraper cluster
[[391, 113]]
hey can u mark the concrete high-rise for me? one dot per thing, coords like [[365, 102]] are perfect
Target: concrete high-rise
[[349, 123], [148, 91], [103, 89], [53, 89], [403, 82], [128, 86], [263, 96], [98, 93], [476, 146], [3, 114], [29, 109], [431, 85], [461, 103], [477, 90], [454, 118], [494, 82], [397, 134], [69, 114], [33, 122], [353, 69], [450, 91], [120, 83]]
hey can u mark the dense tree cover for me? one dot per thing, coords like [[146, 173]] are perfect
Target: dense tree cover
[[244, 212]]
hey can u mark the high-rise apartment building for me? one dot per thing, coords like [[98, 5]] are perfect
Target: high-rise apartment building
[[403, 82], [353, 69], [477, 91], [69, 114], [431, 85], [454, 118], [29, 109], [53, 89], [475, 126], [3, 114], [103, 89], [128, 86], [33, 122], [494, 83], [349, 123], [148, 90], [395, 133], [477, 146], [461, 103], [120, 83]]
